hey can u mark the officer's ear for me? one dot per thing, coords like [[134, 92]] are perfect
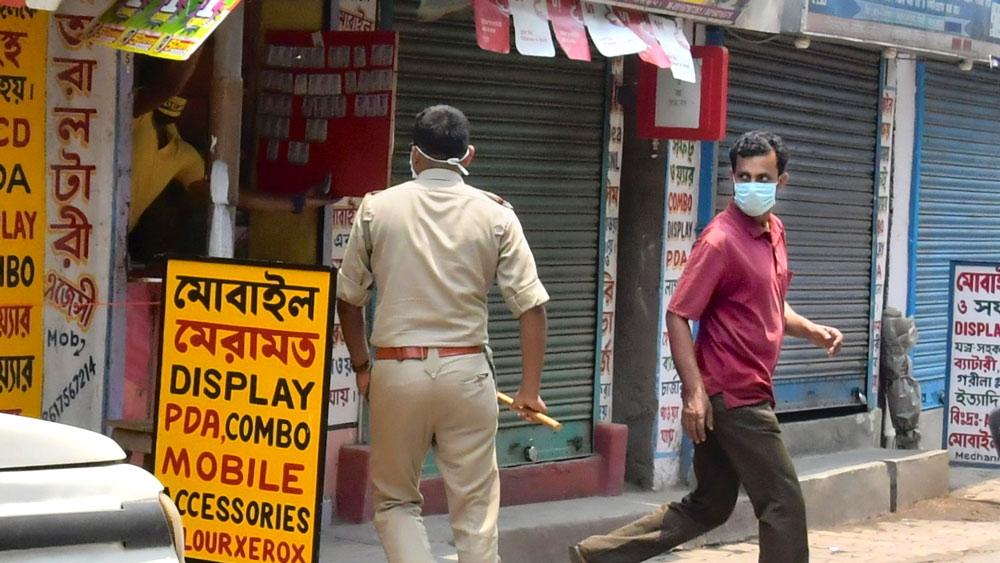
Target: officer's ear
[[468, 158]]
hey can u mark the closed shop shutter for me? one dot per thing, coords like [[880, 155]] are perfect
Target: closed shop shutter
[[823, 102], [538, 127], [959, 202]]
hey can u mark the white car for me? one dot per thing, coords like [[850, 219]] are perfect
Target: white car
[[67, 495]]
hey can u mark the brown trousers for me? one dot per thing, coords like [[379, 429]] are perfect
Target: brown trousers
[[745, 447]]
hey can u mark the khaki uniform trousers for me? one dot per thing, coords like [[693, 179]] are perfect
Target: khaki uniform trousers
[[745, 448], [449, 404]]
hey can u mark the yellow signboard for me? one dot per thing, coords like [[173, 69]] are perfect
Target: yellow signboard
[[241, 407], [23, 40]]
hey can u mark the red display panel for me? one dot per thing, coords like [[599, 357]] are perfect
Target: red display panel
[[714, 92], [325, 105]]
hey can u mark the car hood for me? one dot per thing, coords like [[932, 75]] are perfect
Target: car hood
[[29, 442]]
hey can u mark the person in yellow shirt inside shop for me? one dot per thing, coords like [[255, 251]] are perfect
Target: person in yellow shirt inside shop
[[168, 168], [160, 156]]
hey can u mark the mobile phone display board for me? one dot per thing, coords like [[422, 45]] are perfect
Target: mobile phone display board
[[325, 105]]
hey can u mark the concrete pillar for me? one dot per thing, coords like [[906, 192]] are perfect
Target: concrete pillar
[[640, 250]]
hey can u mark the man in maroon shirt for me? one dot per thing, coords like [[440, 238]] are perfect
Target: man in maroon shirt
[[734, 284]]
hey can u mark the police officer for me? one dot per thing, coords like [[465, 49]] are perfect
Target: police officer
[[433, 247]]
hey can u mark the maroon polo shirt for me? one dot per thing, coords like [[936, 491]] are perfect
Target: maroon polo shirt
[[735, 284]]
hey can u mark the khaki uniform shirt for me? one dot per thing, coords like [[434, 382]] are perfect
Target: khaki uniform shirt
[[437, 245]]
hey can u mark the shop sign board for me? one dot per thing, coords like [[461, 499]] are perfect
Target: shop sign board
[[354, 15], [705, 11], [972, 384], [683, 165], [968, 28], [240, 418], [23, 36], [81, 139]]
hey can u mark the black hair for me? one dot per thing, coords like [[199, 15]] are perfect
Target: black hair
[[442, 132], [759, 143]]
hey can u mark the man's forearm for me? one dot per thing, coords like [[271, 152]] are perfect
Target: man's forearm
[[534, 326], [795, 324], [252, 200], [352, 323], [682, 350]]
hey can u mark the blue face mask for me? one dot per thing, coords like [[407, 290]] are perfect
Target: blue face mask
[[755, 198]]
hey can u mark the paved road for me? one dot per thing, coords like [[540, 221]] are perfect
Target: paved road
[[962, 528]]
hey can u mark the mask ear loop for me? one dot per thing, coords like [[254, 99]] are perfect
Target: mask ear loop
[[453, 161]]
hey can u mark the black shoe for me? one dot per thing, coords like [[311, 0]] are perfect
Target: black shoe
[[575, 556]]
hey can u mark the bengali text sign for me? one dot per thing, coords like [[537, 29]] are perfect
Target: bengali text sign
[[973, 370], [82, 177], [23, 36], [241, 407]]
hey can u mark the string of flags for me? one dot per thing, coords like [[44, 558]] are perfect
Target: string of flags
[[615, 32]]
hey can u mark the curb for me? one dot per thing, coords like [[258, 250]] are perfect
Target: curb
[[918, 477]]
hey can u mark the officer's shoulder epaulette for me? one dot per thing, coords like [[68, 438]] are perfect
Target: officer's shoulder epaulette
[[497, 199], [366, 199]]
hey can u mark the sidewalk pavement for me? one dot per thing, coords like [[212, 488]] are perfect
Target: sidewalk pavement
[[844, 487], [960, 528]]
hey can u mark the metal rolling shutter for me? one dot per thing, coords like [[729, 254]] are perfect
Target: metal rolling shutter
[[823, 102], [538, 128], [959, 202]]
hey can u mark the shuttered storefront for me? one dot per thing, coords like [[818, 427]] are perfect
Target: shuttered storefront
[[959, 201], [823, 102], [538, 127]]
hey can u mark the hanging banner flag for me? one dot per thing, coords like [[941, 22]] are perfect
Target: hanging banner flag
[[567, 23], [639, 25], [492, 25], [676, 46], [610, 34], [531, 28], [173, 29]]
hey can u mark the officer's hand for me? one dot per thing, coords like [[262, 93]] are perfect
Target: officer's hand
[[526, 404], [696, 418], [363, 377]]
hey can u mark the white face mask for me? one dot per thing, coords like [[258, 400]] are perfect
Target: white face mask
[[453, 161], [755, 198]]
